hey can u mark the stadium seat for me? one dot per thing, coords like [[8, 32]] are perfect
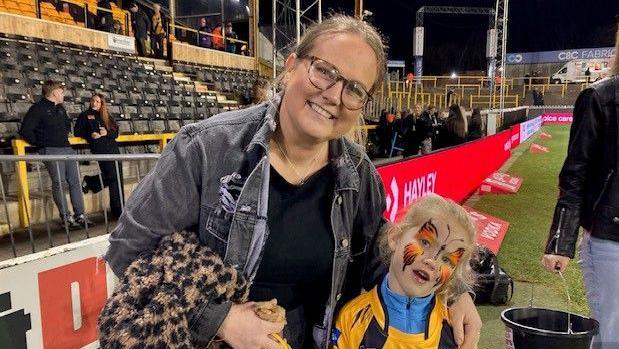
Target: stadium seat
[[174, 125], [4, 111], [19, 109]]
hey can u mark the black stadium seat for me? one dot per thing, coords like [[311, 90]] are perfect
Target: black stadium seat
[[4, 111], [19, 109]]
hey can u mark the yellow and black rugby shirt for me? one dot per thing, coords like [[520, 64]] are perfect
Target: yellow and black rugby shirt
[[363, 323]]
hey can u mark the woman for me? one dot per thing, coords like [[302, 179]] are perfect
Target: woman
[[281, 192], [97, 126], [456, 127], [205, 29], [589, 197], [475, 126]]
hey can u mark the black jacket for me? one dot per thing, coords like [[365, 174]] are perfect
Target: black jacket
[[140, 24], [46, 125], [89, 122], [588, 182]]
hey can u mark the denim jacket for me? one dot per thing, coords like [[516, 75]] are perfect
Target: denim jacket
[[213, 178]]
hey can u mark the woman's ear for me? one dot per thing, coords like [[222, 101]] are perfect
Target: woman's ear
[[290, 62]]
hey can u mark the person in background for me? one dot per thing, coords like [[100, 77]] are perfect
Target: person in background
[[98, 127], [218, 40], [47, 126], [157, 32], [141, 26], [104, 20], [589, 198], [425, 130], [205, 27], [456, 126], [230, 34], [475, 126], [118, 28], [411, 144]]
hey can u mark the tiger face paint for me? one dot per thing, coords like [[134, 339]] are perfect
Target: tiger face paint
[[426, 257]]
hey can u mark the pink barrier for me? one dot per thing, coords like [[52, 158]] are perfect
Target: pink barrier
[[453, 173]]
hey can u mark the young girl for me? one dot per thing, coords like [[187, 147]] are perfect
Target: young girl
[[428, 250]]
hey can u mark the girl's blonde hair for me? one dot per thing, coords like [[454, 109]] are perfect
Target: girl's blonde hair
[[416, 215], [338, 24]]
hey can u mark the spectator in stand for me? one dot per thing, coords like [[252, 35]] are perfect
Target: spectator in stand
[[475, 126], [104, 20], [449, 96], [411, 139], [47, 126], [425, 131], [218, 40], [456, 126], [98, 127], [409, 79], [244, 50], [118, 27], [157, 32], [230, 34], [538, 97], [141, 26], [205, 27]]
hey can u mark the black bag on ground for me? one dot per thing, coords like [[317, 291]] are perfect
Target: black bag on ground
[[493, 285]]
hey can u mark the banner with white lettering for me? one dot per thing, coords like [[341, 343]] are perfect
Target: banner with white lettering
[[557, 118], [452, 173], [490, 230], [528, 128]]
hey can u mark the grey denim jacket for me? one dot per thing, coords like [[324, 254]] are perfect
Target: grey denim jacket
[[213, 178]]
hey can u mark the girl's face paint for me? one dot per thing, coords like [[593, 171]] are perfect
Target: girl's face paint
[[431, 253]]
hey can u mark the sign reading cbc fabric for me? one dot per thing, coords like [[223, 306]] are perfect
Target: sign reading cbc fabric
[[490, 230], [557, 118], [52, 299], [453, 173]]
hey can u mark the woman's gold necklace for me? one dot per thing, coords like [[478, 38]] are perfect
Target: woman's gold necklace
[[301, 177]]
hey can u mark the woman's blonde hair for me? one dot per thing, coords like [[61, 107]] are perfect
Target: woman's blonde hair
[[416, 215], [338, 24]]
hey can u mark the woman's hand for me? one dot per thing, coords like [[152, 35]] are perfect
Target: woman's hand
[[466, 322], [102, 131], [555, 263], [243, 329], [95, 135]]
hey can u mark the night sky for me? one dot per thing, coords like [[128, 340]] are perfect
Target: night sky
[[458, 43]]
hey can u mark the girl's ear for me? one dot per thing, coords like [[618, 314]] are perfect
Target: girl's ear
[[394, 233]]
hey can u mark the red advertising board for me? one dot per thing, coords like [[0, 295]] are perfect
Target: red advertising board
[[453, 173], [490, 230], [515, 130], [557, 118]]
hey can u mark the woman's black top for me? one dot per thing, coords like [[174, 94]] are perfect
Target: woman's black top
[[89, 122], [298, 259]]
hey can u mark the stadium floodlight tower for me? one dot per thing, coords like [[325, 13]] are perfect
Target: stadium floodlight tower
[[289, 18], [418, 38], [501, 14]]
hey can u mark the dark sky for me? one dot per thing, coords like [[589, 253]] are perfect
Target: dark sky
[[459, 42]]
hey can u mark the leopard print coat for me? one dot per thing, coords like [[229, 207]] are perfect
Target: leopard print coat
[[150, 306]]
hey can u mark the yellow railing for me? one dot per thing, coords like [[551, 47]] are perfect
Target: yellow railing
[[19, 148], [492, 101]]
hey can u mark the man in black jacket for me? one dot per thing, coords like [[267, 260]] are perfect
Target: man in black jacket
[[589, 197], [141, 27], [47, 126]]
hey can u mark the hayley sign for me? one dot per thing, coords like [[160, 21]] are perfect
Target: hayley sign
[[453, 173]]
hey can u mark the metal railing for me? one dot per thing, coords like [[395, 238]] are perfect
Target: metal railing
[[43, 220]]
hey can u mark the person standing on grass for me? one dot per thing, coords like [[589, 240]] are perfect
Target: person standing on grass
[[589, 198]]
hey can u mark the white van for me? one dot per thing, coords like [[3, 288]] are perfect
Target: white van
[[576, 71]]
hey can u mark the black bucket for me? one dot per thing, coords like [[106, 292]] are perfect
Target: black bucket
[[532, 328]]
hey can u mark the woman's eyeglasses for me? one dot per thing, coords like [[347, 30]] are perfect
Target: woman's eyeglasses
[[323, 75]]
